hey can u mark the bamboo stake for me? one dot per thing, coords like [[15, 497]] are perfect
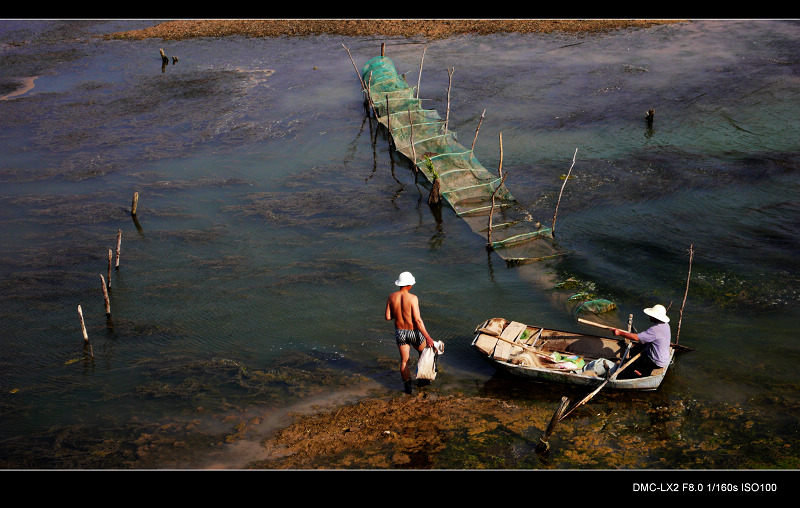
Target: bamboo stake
[[449, 85], [500, 167], [472, 148], [419, 78], [105, 296], [553, 227], [109, 269], [502, 181], [119, 245], [680, 315], [411, 134], [389, 122], [135, 203], [369, 96], [83, 326]]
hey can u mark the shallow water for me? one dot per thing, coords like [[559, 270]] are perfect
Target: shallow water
[[273, 218]]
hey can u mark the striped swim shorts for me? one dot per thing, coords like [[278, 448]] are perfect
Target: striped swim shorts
[[409, 337]]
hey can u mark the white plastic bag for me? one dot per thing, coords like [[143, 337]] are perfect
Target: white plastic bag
[[426, 367], [601, 366]]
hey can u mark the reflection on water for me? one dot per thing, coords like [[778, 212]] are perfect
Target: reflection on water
[[273, 219]]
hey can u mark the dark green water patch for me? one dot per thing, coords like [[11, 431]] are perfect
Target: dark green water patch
[[106, 445]]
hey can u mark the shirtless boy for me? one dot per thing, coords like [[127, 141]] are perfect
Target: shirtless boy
[[409, 330]]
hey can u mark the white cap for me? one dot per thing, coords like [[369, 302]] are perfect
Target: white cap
[[405, 279]]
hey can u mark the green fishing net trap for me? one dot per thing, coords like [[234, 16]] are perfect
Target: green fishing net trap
[[474, 193], [477, 195]]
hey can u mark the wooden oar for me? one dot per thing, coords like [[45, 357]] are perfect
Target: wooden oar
[[673, 345], [610, 378]]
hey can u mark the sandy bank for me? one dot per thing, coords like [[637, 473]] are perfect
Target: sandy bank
[[430, 28]]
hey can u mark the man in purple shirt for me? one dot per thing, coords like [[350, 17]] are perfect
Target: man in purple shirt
[[655, 344]]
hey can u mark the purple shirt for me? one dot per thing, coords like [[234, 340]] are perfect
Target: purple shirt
[[657, 338]]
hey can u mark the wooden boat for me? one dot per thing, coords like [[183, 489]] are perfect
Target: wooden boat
[[554, 356]]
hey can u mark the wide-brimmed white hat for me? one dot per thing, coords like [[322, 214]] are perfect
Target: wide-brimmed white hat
[[658, 312], [405, 279]]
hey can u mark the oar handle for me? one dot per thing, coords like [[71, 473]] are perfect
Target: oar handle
[[598, 324], [673, 345]]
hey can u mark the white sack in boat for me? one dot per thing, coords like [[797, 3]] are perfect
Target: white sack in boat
[[599, 366]]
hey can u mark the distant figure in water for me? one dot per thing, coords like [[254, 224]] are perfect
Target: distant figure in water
[[654, 344], [409, 330]]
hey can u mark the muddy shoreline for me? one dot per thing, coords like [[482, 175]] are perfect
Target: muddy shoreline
[[429, 28]]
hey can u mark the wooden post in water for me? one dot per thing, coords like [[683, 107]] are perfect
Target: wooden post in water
[[650, 114], [389, 122], [369, 96], [543, 444], [135, 203], [383, 49], [630, 322], [500, 166], [435, 196], [119, 245], [83, 326], [105, 296], [108, 282], [449, 85], [553, 227], [411, 135]]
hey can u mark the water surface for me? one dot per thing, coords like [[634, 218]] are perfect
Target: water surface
[[273, 218]]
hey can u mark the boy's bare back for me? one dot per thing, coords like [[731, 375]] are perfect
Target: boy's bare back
[[403, 308]]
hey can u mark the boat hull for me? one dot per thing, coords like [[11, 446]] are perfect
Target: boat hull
[[592, 347]]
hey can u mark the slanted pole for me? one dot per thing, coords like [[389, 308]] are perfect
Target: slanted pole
[[105, 296], [419, 78], [543, 444], [472, 148], [502, 181], [83, 326], [680, 315], [367, 98], [553, 227]]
